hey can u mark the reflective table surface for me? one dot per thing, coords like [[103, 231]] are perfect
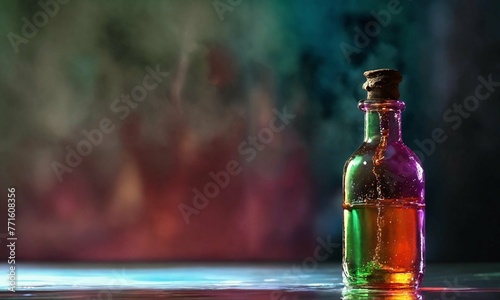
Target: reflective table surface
[[231, 281]]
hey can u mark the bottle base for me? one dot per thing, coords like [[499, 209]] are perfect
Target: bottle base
[[383, 281]]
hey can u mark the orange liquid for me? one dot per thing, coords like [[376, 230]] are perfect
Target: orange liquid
[[386, 243]]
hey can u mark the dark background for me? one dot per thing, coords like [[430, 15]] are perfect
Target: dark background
[[230, 63]]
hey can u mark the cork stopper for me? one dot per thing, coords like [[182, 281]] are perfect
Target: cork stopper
[[382, 84]]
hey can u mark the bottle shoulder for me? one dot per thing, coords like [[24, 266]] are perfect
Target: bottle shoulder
[[397, 151], [396, 160]]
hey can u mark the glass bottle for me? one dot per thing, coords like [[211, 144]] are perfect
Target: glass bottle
[[383, 187]]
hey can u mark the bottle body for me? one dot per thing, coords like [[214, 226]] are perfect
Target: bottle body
[[384, 208]]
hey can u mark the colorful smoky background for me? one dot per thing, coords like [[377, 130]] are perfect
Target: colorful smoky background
[[217, 130]]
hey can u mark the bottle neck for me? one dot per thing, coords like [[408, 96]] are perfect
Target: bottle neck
[[382, 119]]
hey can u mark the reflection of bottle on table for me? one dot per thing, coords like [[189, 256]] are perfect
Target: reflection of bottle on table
[[383, 196]]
